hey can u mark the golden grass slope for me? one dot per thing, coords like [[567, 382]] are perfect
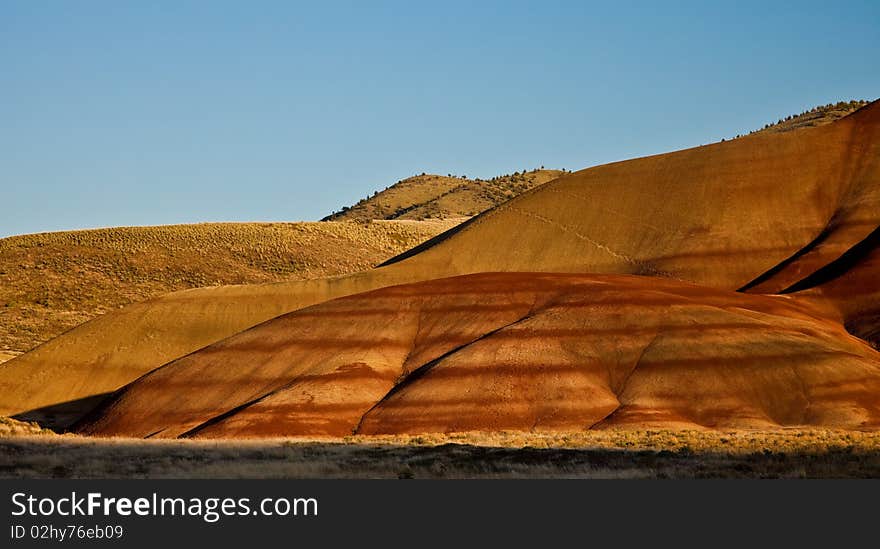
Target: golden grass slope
[[727, 216], [436, 196], [52, 282]]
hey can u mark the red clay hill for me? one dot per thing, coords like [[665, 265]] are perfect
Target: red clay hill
[[513, 351]]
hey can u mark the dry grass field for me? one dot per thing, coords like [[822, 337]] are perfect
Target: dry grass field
[[590, 454], [12, 427], [51, 282]]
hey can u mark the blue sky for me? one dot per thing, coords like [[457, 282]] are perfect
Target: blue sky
[[137, 113]]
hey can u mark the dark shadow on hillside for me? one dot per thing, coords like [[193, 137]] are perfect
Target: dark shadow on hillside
[[839, 266], [430, 242], [59, 417]]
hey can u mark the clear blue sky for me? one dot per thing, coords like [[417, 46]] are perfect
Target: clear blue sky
[[141, 113]]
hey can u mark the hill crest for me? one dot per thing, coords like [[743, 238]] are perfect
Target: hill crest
[[428, 196]]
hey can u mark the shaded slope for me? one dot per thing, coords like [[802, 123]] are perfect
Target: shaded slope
[[513, 351], [850, 287], [721, 216]]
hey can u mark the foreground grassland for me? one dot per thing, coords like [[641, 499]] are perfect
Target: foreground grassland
[[12, 427], [590, 454], [51, 282]]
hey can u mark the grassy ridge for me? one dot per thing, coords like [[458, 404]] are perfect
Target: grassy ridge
[[51, 282]]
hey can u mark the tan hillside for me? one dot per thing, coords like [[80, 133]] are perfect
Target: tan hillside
[[436, 196], [793, 213], [52, 282]]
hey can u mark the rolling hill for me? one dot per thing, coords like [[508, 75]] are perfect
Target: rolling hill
[[789, 213], [52, 282]]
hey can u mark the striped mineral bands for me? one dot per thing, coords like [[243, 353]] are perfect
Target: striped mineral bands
[[513, 351]]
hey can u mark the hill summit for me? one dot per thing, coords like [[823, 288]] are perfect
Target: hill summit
[[429, 196]]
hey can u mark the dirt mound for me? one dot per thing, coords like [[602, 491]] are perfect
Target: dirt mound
[[513, 351]]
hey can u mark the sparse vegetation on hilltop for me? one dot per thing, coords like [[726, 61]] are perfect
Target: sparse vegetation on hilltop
[[817, 116], [428, 196]]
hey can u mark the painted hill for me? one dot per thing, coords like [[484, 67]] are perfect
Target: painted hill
[[513, 351], [52, 282], [429, 196], [790, 213]]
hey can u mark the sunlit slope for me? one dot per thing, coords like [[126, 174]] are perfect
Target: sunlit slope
[[720, 215], [766, 209], [513, 351]]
